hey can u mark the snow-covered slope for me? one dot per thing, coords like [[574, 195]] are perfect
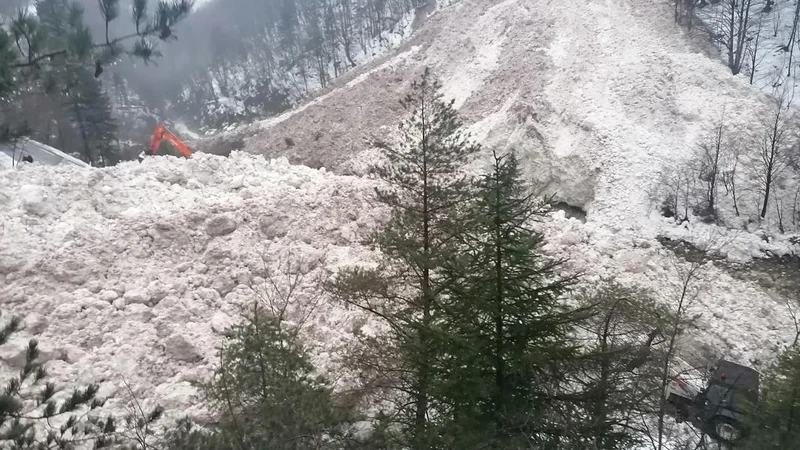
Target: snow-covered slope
[[599, 97], [135, 271]]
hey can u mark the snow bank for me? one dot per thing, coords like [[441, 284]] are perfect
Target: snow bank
[[137, 271]]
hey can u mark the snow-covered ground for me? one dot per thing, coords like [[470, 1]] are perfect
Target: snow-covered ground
[[135, 270]]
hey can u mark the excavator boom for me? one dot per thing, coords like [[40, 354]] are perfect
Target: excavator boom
[[161, 133]]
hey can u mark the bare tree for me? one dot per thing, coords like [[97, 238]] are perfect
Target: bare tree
[[680, 10], [734, 31], [684, 9], [687, 293], [753, 49], [796, 207], [621, 368], [710, 167], [773, 155], [789, 47], [675, 191], [729, 175], [779, 213], [289, 290]]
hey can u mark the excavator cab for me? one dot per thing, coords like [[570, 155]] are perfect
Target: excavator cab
[[162, 134]]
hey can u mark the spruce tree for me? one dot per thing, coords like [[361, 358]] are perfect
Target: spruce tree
[[424, 190], [507, 327]]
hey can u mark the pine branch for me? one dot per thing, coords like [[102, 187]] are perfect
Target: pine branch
[[169, 13]]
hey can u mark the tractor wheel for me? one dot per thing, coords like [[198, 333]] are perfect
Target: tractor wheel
[[725, 429]]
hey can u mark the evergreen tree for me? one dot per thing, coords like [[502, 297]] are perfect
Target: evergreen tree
[[94, 120], [506, 324], [266, 393], [775, 424], [31, 418], [44, 52], [424, 190]]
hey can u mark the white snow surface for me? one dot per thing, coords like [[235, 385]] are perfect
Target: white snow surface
[[597, 97], [135, 272]]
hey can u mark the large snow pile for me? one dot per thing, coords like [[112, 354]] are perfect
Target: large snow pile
[[599, 97], [135, 272]]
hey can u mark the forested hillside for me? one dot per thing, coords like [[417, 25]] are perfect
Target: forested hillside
[[277, 53], [225, 63]]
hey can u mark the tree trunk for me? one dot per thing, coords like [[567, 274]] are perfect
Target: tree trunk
[[424, 373], [87, 153], [792, 38], [754, 53], [498, 319], [767, 188]]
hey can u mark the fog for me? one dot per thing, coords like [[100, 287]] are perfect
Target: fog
[[235, 60]]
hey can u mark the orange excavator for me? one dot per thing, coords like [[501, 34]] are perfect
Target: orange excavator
[[160, 134]]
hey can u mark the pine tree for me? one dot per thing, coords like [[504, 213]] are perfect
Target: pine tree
[[44, 51], [424, 191], [31, 418], [507, 327], [94, 120]]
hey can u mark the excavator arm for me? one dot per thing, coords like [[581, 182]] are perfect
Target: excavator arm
[[161, 133]]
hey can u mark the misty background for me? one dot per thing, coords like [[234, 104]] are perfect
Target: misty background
[[229, 62]]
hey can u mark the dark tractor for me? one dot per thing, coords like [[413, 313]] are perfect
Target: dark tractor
[[722, 407]]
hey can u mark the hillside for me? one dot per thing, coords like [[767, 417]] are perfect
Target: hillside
[[137, 270]]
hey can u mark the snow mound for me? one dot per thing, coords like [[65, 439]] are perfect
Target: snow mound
[[136, 272]]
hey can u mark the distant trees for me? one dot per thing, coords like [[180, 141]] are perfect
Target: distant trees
[[282, 52], [731, 171]]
